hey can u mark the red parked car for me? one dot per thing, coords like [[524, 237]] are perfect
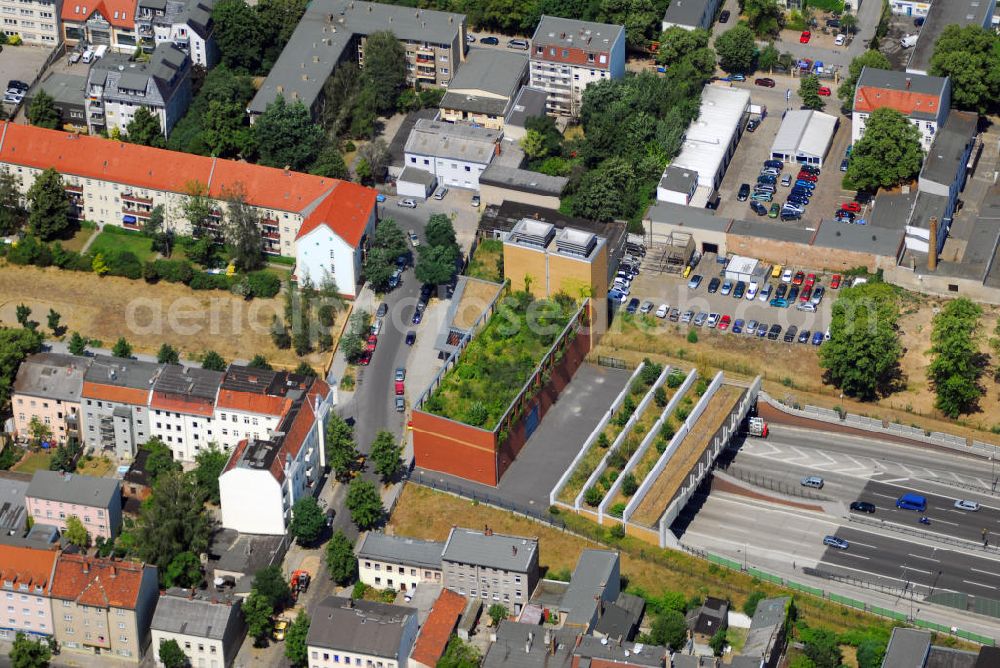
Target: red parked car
[[853, 207], [366, 358], [823, 90], [806, 176], [835, 282], [798, 278], [724, 322], [372, 342], [804, 37], [810, 281]]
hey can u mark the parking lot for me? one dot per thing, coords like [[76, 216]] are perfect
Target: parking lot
[[673, 290], [23, 63]]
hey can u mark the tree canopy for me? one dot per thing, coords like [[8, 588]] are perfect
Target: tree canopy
[[210, 463], [307, 522], [12, 212], [888, 154], [737, 49], [958, 364], [286, 136], [809, 92], [144, 128], [43, 113], [29, 652], [340, 560], [970, 57], [764, 17], [15, 345], [48, 215], [172, 521], [387, 455], [296, 650], [385, 69], [171, 655], [365, 504], [242, 230]]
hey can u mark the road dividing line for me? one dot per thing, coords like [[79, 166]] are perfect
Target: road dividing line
[[911, 568], [979, 584], [857, 556], [884, 496], [985, 572], [937, 561]]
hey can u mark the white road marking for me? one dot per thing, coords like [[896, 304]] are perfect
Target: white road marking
[[848, 553], [985, 572], [979, 584], [920, 556], [884, 496], [854, 542], [911, 568], [892, 480]]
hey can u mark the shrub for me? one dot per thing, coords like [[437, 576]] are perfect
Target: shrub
[[675, 379], [629, 485], [700, 387], [617, 510], [617, 531], [123, 263], [692, 336], [593, 496], [650, 372], [617, 459], [264, 284], [206, 281], [750, 606], [668, 430], [602, 440], [682, 412], [660, 397]]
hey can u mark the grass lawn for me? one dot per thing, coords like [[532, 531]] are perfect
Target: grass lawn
[[487, 260], [35, 461], [79, 238], [736, 637], [134, 242], [97, 467]]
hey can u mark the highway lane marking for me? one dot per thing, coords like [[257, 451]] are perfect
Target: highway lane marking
[[884, 496], [985, 572], [859, 570], [979, 584], [918, 570], [891, 481], [855, 542], [858, 556], [920, 556]]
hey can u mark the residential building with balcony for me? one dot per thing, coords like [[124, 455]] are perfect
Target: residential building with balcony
[[491, 566], [35, 21], [117, 87], [567, 55], [485, 87], [335, 31], [397, 562], [345, 632], [53, 497], [109, 23], [207, 627], [187, 24], [115, 404], [101, 606], [181, 408], [923, 99], [47, 388], [114, 183], [251, 402], [265, 477], [26, 584]]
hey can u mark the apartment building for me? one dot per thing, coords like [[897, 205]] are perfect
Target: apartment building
[[118, 87], [53, 497], [69, 97], [567, 55], [47, 389], [485, 87], [26, 581], [181, 408], [334, 31], [925, 100], [494, 567], [115, 404], [345, 632], [265, 477], [690, 14], [35, 21], [454, 154], [114, 183], [251, 402], [100, 606], [108, 23], [207, 628], [397, 562], [437, 629], [187, 24]]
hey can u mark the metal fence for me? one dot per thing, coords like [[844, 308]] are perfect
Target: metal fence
[[614, 362], [780, 486]]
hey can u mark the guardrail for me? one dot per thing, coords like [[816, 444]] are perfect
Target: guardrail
[[930, 535]]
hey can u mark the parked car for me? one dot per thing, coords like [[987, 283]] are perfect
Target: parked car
[[813, 481], [806, 176], [662, 311], [853, 207], [646, 307], [738, 326], [804, 336], [695, 281], [372, 343], [752, 291], [805, 37], [727, 287], [521, 44], [743, 193], [844, 216], [833, 23], [633, 305], [799, 278], [790, 334], [843, 165], [817, 296], [793, 294], [805, 294], [786, 180], [407, 204], [786, 276], [700, 319], [737, 77], [752, 125], [713, 285], [475, 201], [824, 90], [687, 316], [762, 196], [766, 82], [739, 290], [781, 291], [777, 302], [810, 169], [817, 338], [840, 40], [762, 330], [810, 280], [471, 39], [765, 293], [411, 337], [751, 328], [808, 185], [724, 16], [418, 317], [439, 195], [758, 208], [835, 281], [794, 208], [492, 41], [400, 404], [809, 307], [675, 315], [775, 209], [790, 215], [382, 309], [724, 322], [713, 320]]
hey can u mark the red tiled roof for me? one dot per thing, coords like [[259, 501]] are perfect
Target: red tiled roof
[[270, 187], [296, 435], [236, 454], [870, 98], [124, 395], [251, 402], [119, 13], [97, 582], [201, 407], [574, 56], [28, 566], [437, 629], [347, 213]]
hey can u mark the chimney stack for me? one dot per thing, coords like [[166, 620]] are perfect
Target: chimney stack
[[86, 567], [513, 549], [932, 255], [114, 572], [908, 81]]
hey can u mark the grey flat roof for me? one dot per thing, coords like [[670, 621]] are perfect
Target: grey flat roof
[[491, 71], [948, 149], [940, 16], [859, 238], [948, 657], [770, 611], [679, 179], [121, 372], [988, 225], [244, 553], [72, 488], [686, 12], [509, 553], [188, 381], [65, 89], [591, 577], [361, 627], [13, 488], [926, 207], [557, 31], [193, 616], [636, 654], [529, 102], [52, 375], [892, 210], [523, 180], [415, 175], [907, 648], [686, 216], [326, 30], [453, 141], [398, 549], [474, 104], [769, 230]]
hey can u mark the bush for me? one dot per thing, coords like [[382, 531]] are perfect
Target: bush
[[123, 263], [174, 271], [750, 606], [660, 397], [206, 281], [701, 386], [263, 284], [675, 379], [593, 496], [629, 485], [668, 430], [617, 510], [617, 459], [602, 440], [692, 336], [650, 372]]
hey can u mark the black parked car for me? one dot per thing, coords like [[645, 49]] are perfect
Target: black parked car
[[790, 333], [713, 285], [743, 193], [633, 305], [724, 16], [758, 208], [489, 40]]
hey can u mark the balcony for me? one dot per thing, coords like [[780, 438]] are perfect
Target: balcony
[[73, 189], [269, 233], [142, 213], [127, 196]]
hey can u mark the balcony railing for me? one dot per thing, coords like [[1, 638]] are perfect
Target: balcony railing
[[73, 189], [129, 197], [141, 213], [268, 234]]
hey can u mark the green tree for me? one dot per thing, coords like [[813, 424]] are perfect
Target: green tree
[[12, 213], [871, 652], [602, 194], [888, 154], [15, 345], [307, 521], [677, 43], [737, 49], [77, 344], [765, 17], [436, 264], [257, 611], [48, 215], [330, 163], [213, 361], [287, 137], [670, 629], [259, 362], [296, 650], [122, 348], [459, 654], [43, 112], [365, 504], [197, 210], [239, 34], [210, 463], [768, 57], [809, 92], [167, 354], [76, 533], [498, 612], [862, 356], [823, 648], [872, 58], [388, 243], [173, 520], [242, 230], [385, 69], [440, 231], [848, 23], [341, 452], [750, 606], [340, 559], [29, 653], [387, 454], [271, 584], [160, 459], [376, 155], [144, 128], [640, 18], [957, 365], [970, 57], [171, 655], [184, 571], [22, 313], [39, 430], [718, 642], [533, 145]]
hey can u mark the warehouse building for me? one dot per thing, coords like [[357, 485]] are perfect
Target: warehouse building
[[804, 137]]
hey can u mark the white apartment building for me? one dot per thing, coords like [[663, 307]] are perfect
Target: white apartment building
[[250, 404], [567, 55], [181, 408], [396, 562], [455, 154], [187, 24], [36, 21]]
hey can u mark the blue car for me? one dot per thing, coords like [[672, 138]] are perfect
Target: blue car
[[799, 201], [808, 185], [633, 305], [778, 302], [762, 329], [380, 197], [737, 327], [817, 338]]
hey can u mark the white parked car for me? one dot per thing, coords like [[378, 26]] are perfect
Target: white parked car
[[786, 276], [407, 203], [662, 311], [414, 239], [751, 291], [840, 40]]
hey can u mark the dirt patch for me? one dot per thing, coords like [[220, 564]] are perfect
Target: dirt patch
[[147, 315], [720, 485], [475, 298]]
